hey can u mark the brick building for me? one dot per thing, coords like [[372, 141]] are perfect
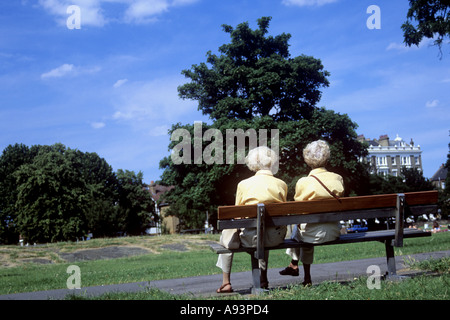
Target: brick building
[[167, 223]]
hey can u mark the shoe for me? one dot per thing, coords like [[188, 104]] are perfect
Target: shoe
[[222, 290], [288, 271]]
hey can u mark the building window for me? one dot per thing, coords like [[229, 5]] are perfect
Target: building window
[[381, 161], [406, 161]]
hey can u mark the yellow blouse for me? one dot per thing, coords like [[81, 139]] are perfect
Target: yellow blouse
[[262, 187], [308, 188]]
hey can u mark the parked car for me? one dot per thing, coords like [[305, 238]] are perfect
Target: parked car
[[357, 228]]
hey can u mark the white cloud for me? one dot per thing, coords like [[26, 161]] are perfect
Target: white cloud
[[91, 13], [127, 115], [97, 125], [61, 71], [68, 69], [432, 104], [302, 3], [392, 89], [397, 46], [150, 102], [145, 10], [183, 2], [119, 83], [94, 12], [159, 131], [403, 47]]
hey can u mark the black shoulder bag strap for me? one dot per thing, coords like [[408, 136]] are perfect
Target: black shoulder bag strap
[[329, 191]]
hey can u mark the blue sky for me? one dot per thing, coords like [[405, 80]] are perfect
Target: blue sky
[[110, 87]]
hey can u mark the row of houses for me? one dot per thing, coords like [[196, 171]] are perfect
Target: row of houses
[[385, 157]]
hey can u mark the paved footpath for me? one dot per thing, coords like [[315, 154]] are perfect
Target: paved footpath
[[203, 286]]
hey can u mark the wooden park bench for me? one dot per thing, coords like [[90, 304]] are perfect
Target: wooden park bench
[[396, 206]]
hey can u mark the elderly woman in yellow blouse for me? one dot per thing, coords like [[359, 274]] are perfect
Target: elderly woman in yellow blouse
[[319, 184], [263, 187]]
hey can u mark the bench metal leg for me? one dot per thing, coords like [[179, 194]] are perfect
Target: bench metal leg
[[256, 289], [256, 273], [390, 259]]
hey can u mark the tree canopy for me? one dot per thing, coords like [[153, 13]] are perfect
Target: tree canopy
[[433, 22], [255, 76]]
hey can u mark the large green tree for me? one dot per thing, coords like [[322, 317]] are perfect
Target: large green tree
[[51, 197], [254, 83]]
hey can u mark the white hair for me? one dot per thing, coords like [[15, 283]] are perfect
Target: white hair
[[316, 154], [261, 158]]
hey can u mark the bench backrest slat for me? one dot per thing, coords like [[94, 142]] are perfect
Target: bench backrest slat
[[329, 205], [309, 218]]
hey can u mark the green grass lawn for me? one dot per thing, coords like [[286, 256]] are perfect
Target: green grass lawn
[[163, 263], [422, 287]]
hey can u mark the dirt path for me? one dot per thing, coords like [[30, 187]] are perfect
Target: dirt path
[[11, 256], [112, 252]]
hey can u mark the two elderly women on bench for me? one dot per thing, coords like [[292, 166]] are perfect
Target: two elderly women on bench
[[263, 187]]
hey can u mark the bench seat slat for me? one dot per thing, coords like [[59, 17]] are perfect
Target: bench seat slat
[[381, 235]]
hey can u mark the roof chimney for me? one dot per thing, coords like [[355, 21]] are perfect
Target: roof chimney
[[384, 140]]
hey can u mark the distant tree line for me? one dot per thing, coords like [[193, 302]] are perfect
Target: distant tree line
[[54, 193]]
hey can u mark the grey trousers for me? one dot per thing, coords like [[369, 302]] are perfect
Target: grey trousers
[[235, 238], [310, 233]]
